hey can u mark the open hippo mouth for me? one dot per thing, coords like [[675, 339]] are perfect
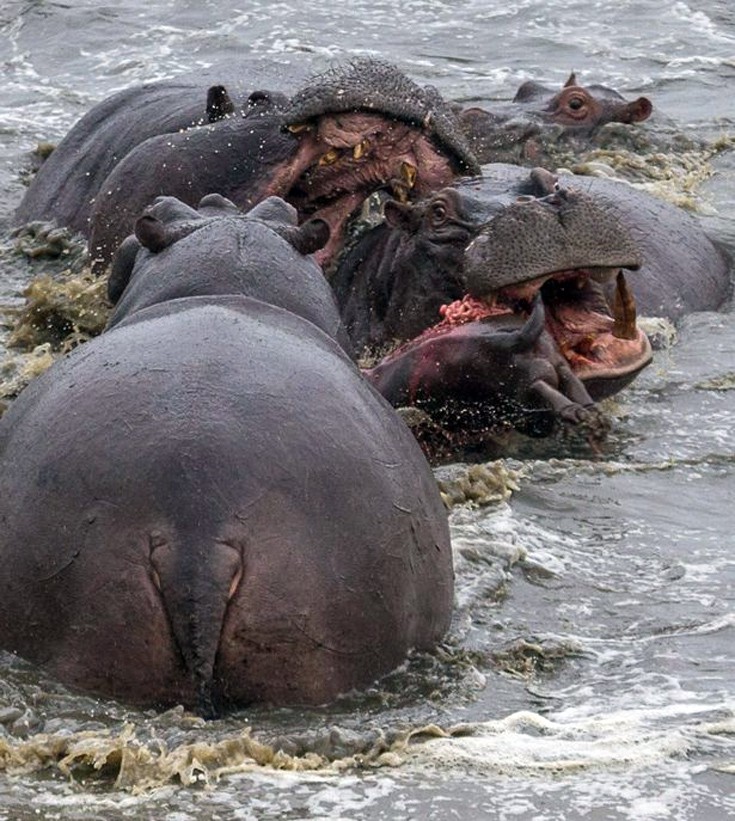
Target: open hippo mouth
[[546, 326], [590, 313], [360, 129], [568, 249]]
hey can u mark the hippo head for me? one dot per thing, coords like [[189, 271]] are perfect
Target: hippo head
[[482, 286], [360, 128], [568, 248], [538, 118], [583, 107], [178, 251]]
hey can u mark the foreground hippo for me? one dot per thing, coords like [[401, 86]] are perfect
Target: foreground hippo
[[207, 504]]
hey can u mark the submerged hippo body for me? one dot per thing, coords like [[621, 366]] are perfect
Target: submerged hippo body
[[68, 182], [208, 505]]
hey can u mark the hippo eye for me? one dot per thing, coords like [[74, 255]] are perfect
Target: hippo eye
[[575, 103], [438, 213]]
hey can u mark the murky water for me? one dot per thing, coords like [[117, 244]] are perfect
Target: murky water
[[590, 670]]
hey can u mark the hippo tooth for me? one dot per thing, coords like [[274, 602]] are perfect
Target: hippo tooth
[[624, 311], [330, 157], [359, 151], [409, 173], [298, 128]]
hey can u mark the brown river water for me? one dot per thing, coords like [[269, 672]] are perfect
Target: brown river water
[[590, 668]]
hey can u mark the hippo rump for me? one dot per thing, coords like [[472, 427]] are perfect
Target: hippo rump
[[207, 504], [440, 277]]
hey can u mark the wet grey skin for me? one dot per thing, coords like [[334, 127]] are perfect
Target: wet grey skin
[[340, 136], [208, 504], [500, 240]]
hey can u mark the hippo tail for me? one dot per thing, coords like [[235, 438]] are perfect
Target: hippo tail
[[196, 582]]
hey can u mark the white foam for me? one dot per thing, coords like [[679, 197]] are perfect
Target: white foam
[[526, 742]]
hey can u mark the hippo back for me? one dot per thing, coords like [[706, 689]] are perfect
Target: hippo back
[[208, 504]]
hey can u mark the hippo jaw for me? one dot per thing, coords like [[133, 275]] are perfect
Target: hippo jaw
[[590, 314], [567, 248], [341, 159]]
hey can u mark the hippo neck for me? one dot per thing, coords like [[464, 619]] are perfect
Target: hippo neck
[[388, 290]]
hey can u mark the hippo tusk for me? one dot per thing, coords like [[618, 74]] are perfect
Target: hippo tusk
[[624, 311], [359, 150], [409, 173]]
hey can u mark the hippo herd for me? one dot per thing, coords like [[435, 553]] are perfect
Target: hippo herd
[[215, 502]]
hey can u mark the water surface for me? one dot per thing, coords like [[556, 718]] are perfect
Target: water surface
[[589, 671]]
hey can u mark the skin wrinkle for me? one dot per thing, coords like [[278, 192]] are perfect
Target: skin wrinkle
[[291, 553]]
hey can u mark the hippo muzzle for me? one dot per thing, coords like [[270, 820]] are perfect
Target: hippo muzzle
[[570, 249]]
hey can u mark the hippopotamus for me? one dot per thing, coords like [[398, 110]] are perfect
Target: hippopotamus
[[70, 180], [343, 134], [480, 253], [474, 378], [66, 184], [539, 116], [208, 504]]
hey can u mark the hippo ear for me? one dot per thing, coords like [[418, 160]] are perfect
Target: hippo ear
[[572, 81], [151, 233], [217, 205], [122, 267], [527, 91], [265, 102], [310, 237], [219, 104], [400, 215], [639, 110]]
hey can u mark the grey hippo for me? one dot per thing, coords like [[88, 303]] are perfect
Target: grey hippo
[[437, 279], [322, 142], [540, 119], [345, 133], [208, 504], [363, 130]]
